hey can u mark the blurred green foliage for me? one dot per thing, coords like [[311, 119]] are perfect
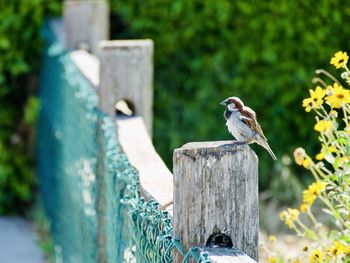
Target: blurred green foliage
[[262, 51], [20, 47]]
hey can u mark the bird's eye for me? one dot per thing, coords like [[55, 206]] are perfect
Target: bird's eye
[[231, 106]]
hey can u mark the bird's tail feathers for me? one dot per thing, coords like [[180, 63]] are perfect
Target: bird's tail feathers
[[264, 144]]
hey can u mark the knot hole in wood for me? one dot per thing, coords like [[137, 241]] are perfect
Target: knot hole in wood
[[219, 240]]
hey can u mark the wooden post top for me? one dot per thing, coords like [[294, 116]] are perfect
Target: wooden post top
[[216, 148], [125, 43]]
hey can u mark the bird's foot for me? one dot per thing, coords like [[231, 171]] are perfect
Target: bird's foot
[[235, 143]]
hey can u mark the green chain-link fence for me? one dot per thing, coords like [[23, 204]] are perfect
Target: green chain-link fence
[[90, 191]]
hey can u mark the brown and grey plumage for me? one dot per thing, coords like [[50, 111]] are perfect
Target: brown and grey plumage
[[242, 124]]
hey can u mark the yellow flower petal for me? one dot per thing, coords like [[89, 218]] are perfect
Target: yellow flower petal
[[304, 208], [313, 191], [337, 249], [319, 93], [320, 156], [332, 149], [338, 97], [272, 238], [307, 163], [317, 256], [347, 130], [272, 259], [323, 125]]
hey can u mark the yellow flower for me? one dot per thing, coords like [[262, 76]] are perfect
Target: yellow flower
[[347, 250], [343, 160], [337, 249], [340, 59], [323, 126], [338, 97], [315, 100], [293, 213], [333, 113], [308, 104], [307, 163], [272, 238], [317, 256], [296, 261], [347, 130], [272, 259], [283, 215], [289, 216], [289, 223], [304, 208], [292, 216], [299, 155], [314, 190], [320, 156], [305, 248], [317, 95], [332, 149]]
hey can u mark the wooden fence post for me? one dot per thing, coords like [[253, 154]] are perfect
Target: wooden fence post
[[126, 72], [86, 23], [216, 196]]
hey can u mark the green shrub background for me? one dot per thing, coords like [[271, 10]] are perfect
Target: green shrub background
[[20, 47], [262, 51], [265, 52]]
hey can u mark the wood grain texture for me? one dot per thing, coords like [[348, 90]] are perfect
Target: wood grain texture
[[126, 72], [216, 190], [86, 23]]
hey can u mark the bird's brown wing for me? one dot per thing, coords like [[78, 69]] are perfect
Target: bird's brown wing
[[249, 118]]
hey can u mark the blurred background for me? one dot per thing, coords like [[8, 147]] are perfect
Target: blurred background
[[264, 52]]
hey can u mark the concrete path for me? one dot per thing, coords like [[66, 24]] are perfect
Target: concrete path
[[17, 242]]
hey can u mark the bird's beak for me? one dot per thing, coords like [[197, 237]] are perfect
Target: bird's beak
[[223, 103]]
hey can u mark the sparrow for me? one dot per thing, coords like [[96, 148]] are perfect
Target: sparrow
[[242, 124]]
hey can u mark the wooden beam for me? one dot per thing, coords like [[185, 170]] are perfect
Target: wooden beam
[[155, 178]]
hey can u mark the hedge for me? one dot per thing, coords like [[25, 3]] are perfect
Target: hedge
[[20, 47], [265, 52]]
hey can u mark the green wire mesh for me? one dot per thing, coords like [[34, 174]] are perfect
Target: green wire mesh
[[90, 191]]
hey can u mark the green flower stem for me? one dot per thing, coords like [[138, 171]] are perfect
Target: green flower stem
[[319, 171], [297, 230], [319, 114], [311, 216], [325, 112], [325, 200], [329, 173], [309, 232], [345, 116], [314, 173], [346, 68], [329, 75], [319, 80]]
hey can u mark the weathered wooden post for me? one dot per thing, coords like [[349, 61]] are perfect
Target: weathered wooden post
[[216, 196], [86, 23], [126, 72]]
